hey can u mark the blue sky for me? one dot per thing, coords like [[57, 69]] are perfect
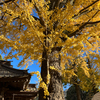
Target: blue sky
[[33, 67]]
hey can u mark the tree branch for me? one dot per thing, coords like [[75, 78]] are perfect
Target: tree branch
[[7, 1], [89, 23], [36, 18], [83, 25], [54, 4], [41, 18], [83, 10]]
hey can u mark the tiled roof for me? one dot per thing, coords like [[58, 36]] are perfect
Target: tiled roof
[[9, 71], [15, 77]]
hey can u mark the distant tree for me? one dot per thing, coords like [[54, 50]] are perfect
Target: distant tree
[[72, 95], [77, 65], [88, 81]]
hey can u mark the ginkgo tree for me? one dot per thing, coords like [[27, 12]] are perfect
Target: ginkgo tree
[[62, 27], [86, 80]]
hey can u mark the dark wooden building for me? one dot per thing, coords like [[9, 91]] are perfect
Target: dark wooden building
[[14, 83]]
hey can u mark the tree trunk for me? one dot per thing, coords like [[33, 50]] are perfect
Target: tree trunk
[[55, 87], [43, 74], [75, 82], [78, 92]]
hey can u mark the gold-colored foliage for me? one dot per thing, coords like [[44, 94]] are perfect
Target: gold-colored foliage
[[87, 72], [73, 25], [42, 84]]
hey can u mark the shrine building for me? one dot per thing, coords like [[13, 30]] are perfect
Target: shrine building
[[14, 83]]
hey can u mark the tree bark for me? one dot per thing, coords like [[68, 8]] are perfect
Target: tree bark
[[55, 87], [43, 74], [78, 92]]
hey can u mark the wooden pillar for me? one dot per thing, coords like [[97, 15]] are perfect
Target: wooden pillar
[[1, 97]]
